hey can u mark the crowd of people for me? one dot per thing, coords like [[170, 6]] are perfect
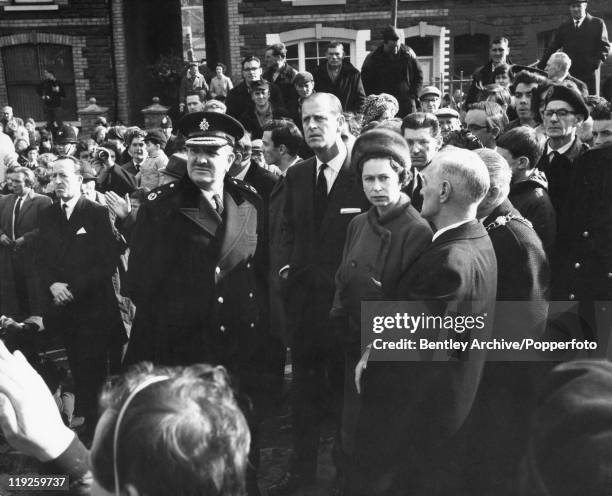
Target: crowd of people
[[195, 257]]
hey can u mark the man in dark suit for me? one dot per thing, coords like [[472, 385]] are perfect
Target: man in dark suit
[[585, 39], [135, 142], [422, 132], [321, 197], [21, 292], [196, 267], [407, 439], [281, 142], [79, 254]]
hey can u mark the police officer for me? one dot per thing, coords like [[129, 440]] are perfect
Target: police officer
[[195, 263]]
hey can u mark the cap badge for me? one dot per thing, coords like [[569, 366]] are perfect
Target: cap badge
[[204, 125], [152, 196]]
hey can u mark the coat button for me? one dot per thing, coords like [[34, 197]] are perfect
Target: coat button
[[250, 295], [252, 324], [353, 263], [220, 299], [248, 265], [572, 296], [577, 265], [585, 234], [609, 275], [217, 270], [222, 328]]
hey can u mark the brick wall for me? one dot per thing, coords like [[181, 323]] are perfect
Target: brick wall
[[520, 20], [82, 24]]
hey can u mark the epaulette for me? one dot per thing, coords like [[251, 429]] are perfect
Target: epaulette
[[162, 191], [244, 186]]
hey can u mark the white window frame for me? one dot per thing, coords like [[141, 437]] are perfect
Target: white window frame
[[355, 38], [308, 3]]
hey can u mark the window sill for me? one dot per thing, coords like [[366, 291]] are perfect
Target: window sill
[[308, 3], [30, 8]]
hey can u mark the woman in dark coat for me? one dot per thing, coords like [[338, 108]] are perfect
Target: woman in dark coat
[[380, 245]]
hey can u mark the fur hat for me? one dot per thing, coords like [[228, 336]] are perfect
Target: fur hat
[[380, 142]]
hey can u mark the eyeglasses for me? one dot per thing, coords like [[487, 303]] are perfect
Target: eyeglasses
[[251, 69], [560, 113]]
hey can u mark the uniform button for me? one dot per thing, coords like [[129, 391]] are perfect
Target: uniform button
[[252, 324], [248, 265], [217, 270], [220, 299], [609, 275], [353, 263], [572, 296], [577, 265], [222, 328], [250, 295], [172, 185], [585, 234]]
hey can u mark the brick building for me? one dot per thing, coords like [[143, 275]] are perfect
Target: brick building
[[106, 48]]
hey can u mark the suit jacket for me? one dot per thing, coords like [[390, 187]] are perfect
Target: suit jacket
[[194, 277], [347, 87], [84, 253], [130, 168], [412, 411], [481, 77], [26, 226], [314, 256], [587, 46]]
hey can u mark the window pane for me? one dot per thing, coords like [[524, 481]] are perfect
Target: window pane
[[311, 65], [310, 49], [292, 52]]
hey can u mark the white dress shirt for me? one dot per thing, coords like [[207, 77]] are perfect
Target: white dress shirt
[[333, 167], [439, 232], [70, 204]]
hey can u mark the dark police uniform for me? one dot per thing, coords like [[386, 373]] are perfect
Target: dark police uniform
[[197, 276], [194, 273]]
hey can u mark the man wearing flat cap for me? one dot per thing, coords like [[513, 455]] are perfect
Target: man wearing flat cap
[[585, 39], [195, 262], [393, 68]]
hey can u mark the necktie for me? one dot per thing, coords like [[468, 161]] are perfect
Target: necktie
[[577, 24], [16, 215], [320, 196], [219, 204], [65, 211]]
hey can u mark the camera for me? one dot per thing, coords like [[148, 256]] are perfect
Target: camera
[[101, 154]]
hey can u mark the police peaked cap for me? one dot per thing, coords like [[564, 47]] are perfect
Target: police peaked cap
[[210, 129]]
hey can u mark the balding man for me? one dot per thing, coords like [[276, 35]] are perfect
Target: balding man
[[407, 434], [321, 197], [558, 70]]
